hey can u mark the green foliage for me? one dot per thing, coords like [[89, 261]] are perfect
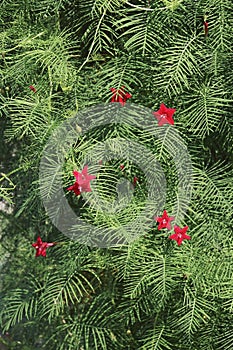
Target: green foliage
[[149, 294]]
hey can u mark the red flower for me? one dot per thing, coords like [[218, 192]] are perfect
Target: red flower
[[76, 188], [122, 166], [84, 179], [206, 27], [180, 234], [82, 183], [135, 180], [120, 95], [41, 246], [164, 115], [164, 221], [31, 87]]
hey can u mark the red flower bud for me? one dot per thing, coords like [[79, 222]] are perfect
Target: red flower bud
[[31, 87], [206, 27]]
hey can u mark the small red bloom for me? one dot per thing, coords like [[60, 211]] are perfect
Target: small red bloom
[[180, 234], [164, 115], [75, 188], [164, 221], [100, 162], [83, 179], [82, 183], [120, 95], [31, 87], [122, 166], [135, 180], [206, 27], [41, 247]]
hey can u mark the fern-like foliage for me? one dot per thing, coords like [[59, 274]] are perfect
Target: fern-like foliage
[[138, 290]]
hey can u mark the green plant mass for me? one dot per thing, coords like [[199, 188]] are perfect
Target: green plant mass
[[137, 98]]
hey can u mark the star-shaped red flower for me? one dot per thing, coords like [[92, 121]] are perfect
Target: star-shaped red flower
[[164, 221], [41, 247], [120, 95], [83, 179], [82, 183], [164, 115], [180, 234]]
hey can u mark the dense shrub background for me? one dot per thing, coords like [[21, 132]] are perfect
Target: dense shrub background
[[151, 294]]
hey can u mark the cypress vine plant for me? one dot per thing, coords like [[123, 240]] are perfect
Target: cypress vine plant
[[62, 58]]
